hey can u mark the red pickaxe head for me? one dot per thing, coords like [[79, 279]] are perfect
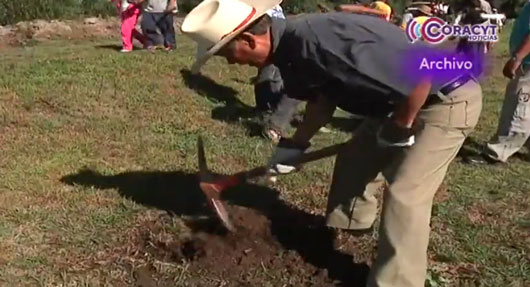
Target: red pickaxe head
[[212, 185]]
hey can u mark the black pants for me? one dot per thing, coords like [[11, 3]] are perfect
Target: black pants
[[277, 109], [162, 21]]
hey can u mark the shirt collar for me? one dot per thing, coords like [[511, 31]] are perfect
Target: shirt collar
[[277, 30]]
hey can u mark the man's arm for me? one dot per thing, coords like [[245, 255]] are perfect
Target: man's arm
[[513, 64], [172, 5], [317, 114], [400, 129], [359, 9], [406, 111]]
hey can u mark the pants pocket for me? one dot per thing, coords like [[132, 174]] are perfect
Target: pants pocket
[[522, 111], [468, 116]]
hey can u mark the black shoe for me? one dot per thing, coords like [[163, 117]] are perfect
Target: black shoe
[[481, 159]]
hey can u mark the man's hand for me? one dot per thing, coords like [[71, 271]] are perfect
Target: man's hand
[[510, 69], [400, 129], [393, 134], [286, 151]]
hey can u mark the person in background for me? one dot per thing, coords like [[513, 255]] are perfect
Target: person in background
[[419, 13], [129, 13], [474, 51], [513, 131], [405, 19], [442, 10], [158, 14], [275, 109], [376, 8]]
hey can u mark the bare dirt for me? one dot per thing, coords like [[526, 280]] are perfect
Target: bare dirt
[[274, 243], [287, 250], [43, 30]]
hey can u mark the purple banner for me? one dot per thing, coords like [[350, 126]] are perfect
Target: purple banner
[[443, 65]]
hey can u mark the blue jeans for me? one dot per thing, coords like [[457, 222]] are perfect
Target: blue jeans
[[162, 21]]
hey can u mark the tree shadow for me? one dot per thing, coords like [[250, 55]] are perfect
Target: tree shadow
[[179, 193], [233, 109]]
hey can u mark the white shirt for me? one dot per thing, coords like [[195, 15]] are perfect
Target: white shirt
[[276, 12], [124, 5]]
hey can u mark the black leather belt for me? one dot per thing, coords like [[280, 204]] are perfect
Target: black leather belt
[[447, 89], [460, 81]]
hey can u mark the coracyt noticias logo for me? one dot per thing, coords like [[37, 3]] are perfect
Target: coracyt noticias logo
[[435, 30]]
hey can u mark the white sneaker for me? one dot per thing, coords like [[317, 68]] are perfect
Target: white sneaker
[[125, 51], [325, 130]]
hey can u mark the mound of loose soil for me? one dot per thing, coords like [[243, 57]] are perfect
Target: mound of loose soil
[[288, 249], [275, 243]]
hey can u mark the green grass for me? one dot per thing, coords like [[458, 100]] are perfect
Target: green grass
[[66, 106]]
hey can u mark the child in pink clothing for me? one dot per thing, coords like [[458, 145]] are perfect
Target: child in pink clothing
[[130, 12]]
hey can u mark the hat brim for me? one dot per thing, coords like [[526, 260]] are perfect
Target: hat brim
[[205, 53], [420, 10], [425, 12]]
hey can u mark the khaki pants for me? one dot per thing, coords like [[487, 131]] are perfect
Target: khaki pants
[[514, 124], [413, 175]]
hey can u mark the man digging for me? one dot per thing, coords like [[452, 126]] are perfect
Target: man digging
[[414, 127]]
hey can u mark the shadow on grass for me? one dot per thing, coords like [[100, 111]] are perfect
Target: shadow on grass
[[345, 124], [175, 192], [236, 111], [233, 108], [179, 193], [114, 47], [470, 148], [473, 148]]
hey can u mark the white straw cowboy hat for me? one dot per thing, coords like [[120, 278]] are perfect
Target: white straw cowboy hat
[[214, 23], [424, 9]]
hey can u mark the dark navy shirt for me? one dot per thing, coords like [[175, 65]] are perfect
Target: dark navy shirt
[[356, 59]]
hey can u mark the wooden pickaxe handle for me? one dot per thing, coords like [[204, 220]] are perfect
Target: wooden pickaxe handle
[[212, 185], [243, 176]]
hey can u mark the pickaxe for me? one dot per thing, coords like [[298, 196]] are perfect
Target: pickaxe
[[213, 184]]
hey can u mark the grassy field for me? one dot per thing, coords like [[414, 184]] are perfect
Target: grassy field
[[96, 144]]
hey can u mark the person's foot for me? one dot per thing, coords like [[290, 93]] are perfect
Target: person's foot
[[125, 50], [325, 130], [151, 48], [169, 48], [481, 159], [272, 134]]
